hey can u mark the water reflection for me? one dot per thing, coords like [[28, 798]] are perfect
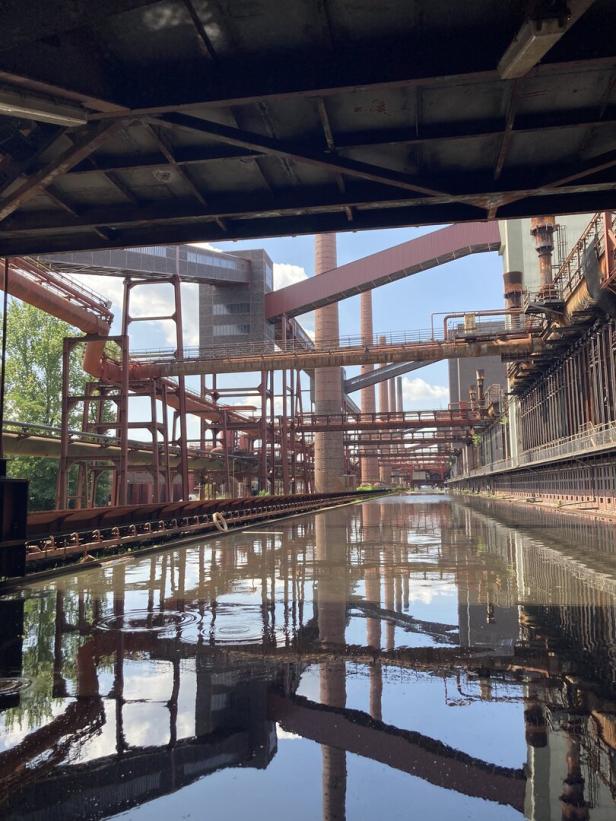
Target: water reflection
[[414, 655]]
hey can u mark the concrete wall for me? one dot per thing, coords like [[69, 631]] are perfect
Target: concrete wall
[[230, 315], [462, 375], [518, 246]]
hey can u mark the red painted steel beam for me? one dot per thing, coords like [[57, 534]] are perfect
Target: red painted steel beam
[[410, 257]]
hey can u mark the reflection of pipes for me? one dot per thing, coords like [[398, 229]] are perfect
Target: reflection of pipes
[[542, 228], [573, 805]]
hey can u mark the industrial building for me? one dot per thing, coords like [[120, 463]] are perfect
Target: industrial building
[[266, 577]]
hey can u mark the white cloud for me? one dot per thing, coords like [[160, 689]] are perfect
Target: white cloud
[[417, 390], [151, 300], [208, 247], [287, 274]]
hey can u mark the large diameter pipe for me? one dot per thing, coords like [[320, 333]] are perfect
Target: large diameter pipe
[[26, 289], [501, 345], [87, 321], [542, 229]]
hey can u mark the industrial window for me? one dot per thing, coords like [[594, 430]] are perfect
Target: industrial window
[[231, 308], [230, 330], [218, 260], [154, 250]]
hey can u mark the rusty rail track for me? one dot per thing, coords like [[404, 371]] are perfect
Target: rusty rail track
[[56, 537]]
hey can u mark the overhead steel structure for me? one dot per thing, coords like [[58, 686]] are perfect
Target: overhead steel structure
[[128, 122]]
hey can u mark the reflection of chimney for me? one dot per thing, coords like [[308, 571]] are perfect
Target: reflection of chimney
[[542, 228], [328, 446], [371, 516], [331, 609]]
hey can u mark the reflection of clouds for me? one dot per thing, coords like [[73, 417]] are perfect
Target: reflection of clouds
[[426, 593], [18, 722]]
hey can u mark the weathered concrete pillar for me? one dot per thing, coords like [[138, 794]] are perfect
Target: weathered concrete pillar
[[328, 446], [384, 470], [399, 399], [392, 395], [369, 464]]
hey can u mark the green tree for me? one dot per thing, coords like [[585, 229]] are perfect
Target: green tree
[[34, 391]]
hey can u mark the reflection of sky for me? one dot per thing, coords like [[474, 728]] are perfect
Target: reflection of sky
[[433, 706], [291, 785], [290, 788]]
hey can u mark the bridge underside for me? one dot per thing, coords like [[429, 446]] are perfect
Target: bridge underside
[[322, 119]]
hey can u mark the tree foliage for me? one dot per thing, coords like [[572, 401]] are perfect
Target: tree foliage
[[34, 391]]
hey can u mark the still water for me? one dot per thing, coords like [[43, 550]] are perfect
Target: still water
[[410, 657]]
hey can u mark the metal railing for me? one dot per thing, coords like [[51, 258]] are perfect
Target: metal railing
[[70, 289], [591, 440], [485, 330]]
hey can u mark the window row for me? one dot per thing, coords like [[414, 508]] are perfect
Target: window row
[[230, 330], [231, 308]]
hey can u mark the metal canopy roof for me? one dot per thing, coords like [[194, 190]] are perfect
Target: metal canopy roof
[[220, 119]]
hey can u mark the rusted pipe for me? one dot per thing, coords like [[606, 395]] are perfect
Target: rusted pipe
[[542, 229]]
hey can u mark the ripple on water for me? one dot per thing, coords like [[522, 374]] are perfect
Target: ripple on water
[[235, 623], [14, 685], [143, 621]]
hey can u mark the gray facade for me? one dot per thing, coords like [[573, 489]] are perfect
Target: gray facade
[[193, 264], [235, 314], [462, 374]]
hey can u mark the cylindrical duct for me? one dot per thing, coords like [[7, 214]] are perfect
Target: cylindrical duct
[[542, 228]]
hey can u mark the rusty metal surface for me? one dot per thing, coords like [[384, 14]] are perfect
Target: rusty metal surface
[[402, 260], [54, 522]]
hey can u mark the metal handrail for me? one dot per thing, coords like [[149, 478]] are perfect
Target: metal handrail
[[598, 438], [62, 284]]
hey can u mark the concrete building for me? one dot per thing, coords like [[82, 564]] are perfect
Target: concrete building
[[236, 314], [462, 375]]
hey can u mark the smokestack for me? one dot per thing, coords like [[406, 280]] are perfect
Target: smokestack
[[384, 470], [542, 228], [392, 395], [328, 446], [369, 464], [400, 401]]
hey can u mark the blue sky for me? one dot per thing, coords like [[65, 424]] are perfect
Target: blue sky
[[473, 282]]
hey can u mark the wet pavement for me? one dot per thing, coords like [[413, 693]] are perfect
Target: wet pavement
[[409, 657]]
